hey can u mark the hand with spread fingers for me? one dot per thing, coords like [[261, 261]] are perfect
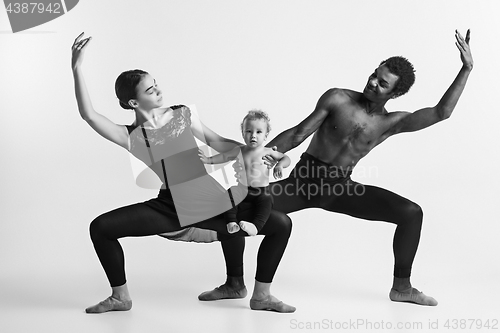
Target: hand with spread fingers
[[464, 48], [78, 49]]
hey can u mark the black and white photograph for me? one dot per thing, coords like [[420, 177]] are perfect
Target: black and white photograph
[[249, 166]]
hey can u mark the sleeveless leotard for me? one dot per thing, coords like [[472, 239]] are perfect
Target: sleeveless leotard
[[172, 153]]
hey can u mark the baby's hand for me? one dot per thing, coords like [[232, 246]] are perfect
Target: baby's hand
[[202, 156], [278, 172]]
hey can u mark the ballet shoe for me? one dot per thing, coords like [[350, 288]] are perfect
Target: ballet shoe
[[223, 292], [412, 295], [269, 305], [110, 304]]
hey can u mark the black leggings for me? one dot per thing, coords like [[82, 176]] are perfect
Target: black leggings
[[157, 216], [343, 195]]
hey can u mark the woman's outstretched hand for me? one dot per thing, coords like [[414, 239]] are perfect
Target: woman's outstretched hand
[[78, 49], [203, 157]]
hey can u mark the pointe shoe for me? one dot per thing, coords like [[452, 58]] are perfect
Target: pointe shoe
[[223, 292], [413, 296], [269, 305], [110, 304]]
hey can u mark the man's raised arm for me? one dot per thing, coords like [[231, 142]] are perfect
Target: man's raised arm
[[409, 122]]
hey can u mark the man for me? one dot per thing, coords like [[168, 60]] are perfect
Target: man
[[347, 125]]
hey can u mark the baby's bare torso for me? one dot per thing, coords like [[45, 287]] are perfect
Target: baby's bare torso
[[256, 172]]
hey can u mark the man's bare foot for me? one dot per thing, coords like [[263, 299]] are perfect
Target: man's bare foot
[[223, 292], [233, 227], [412, 295], [249, 228], [271, 303], [110, 304]]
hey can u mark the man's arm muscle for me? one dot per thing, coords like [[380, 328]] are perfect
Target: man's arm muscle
[[294, 136]]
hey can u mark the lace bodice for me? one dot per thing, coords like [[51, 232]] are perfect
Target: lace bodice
[[171, 150]]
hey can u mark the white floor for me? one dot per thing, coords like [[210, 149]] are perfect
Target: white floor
[[338, 285]]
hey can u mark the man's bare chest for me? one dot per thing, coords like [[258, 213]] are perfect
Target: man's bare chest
[[355, 126]]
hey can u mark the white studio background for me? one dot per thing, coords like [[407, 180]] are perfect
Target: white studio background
[[228, 57]]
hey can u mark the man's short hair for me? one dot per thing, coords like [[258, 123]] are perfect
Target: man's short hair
[[401, 67]]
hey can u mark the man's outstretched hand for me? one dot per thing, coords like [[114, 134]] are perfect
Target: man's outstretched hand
[[463, 46], [269, 160]]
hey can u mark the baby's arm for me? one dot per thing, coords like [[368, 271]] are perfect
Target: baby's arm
[[283, 162], [219, 158]]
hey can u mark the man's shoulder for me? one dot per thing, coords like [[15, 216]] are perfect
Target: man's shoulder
[[395, 115], [338, 98], [341, 94]]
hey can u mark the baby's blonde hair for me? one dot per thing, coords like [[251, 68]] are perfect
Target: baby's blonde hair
[[257, 114]]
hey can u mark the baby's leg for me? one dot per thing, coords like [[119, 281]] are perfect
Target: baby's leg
[[232, 225], [261, 199]]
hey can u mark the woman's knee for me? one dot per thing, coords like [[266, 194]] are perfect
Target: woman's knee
[[97, 227]]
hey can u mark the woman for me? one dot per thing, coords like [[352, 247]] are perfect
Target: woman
[[138, 91]]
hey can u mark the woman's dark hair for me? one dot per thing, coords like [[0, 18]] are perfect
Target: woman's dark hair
[[125, 86], [401, 67]]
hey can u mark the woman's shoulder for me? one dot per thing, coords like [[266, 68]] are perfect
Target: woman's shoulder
[[182, 111], [181, 108], [175, 118], [178, 106]]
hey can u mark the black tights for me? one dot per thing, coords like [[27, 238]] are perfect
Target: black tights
[[157, 216], [347, 197]]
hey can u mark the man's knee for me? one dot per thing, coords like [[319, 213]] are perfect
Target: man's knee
[[414, 212], [289, 225], [284, 224]]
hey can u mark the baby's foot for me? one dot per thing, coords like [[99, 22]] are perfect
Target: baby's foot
[[249, 228], [233, 227]]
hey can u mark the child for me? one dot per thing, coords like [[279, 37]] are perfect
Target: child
[[254, 128]]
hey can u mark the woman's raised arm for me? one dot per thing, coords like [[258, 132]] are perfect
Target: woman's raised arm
[[102, 125]]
